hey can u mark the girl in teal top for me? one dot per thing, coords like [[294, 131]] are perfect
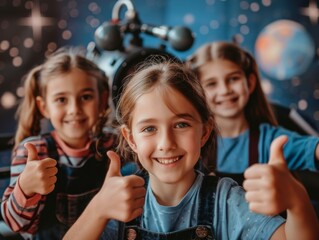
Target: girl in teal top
[[230, 78]]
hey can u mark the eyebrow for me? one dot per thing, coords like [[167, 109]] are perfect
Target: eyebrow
[[227, 75], [83, 90], [235, 72], [181, 115], [185, 116]]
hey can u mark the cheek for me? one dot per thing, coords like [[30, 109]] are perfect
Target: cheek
[[53, 111], [209, 94], [244, 92], [143, 147], [242, 87], [93, 110], [191, 141]]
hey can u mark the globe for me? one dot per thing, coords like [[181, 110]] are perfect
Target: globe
[[284, 49]]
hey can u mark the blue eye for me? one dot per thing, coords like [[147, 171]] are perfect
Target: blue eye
[[149, 129]]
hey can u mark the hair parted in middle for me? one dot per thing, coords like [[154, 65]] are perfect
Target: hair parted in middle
[[164, 74], [60, 62], [258, 109]]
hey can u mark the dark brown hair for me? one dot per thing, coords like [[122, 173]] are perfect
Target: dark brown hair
[[258, 109]]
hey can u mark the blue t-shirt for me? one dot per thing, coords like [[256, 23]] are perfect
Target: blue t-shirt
[[299, 151], [232, 218]]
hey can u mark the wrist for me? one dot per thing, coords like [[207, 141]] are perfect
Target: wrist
[[24, 189], [97, 208], [299, 198]]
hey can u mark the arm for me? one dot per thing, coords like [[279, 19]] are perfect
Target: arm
[[317, 153], [20, 207], [120, 198], [271, 189], [90, 224]]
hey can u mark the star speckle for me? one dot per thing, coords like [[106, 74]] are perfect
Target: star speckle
[[36, 21], [312, 11]]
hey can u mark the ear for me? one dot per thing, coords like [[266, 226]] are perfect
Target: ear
[[42, 107], [129, 138], [207, 130], [252, 82]]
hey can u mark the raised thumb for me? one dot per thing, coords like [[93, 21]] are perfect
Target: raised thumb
[[32, 152], [276, 150], [115, 165]]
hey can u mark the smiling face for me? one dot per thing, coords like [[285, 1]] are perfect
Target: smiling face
[[72, 105], [226, 87], [167, 134]]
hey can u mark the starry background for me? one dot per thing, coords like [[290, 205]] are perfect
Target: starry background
[[30, 30]]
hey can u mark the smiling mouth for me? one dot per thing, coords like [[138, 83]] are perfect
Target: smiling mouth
[[225, 102], [166, 161], [79, 121]]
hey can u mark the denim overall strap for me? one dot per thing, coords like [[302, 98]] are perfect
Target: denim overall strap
[[48, 222], [207, 200], [253, 145], [202, 231], [253, 156]]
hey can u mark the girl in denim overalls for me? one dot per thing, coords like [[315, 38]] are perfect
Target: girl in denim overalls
[[167, 125], [55, 175]]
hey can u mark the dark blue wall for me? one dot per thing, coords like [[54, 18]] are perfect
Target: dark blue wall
[[291, 78]]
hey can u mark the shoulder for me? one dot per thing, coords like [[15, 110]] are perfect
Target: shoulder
[[39, 142], [269, 129], [109, 138], [231, 208], [269, 132], [226, 182], [227, 188], [33, 139]]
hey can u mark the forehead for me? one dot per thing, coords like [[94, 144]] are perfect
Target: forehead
[[163, 103], [218, 68], [73, 79], [220, 64]]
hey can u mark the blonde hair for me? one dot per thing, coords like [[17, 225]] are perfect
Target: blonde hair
[[60, 62], [163, 74], [258, 109]]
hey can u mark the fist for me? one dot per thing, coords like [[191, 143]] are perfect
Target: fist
[[39, 176]]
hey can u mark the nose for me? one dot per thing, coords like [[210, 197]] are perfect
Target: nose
[[166, 140], [223, 88], [74, 107]]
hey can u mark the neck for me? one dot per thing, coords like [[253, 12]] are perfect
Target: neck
[[170, 194], [231, 128]]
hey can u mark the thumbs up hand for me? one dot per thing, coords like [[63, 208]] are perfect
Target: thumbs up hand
[[270, 188], [38, 176], [120, 198]]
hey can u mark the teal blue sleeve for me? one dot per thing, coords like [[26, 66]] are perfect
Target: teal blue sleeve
[[299, 151], [234, 220]]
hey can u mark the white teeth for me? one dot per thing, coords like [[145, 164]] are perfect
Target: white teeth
[[74, 121], [167, 161]]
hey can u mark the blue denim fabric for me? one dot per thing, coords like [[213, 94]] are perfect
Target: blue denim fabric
[[203, 230]]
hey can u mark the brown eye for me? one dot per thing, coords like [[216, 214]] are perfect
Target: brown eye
[[182, 125], [60, 100], [87, 97]]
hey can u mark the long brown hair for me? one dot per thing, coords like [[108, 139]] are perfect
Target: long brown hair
[[258, 109], [60, 62], [162, 74]]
